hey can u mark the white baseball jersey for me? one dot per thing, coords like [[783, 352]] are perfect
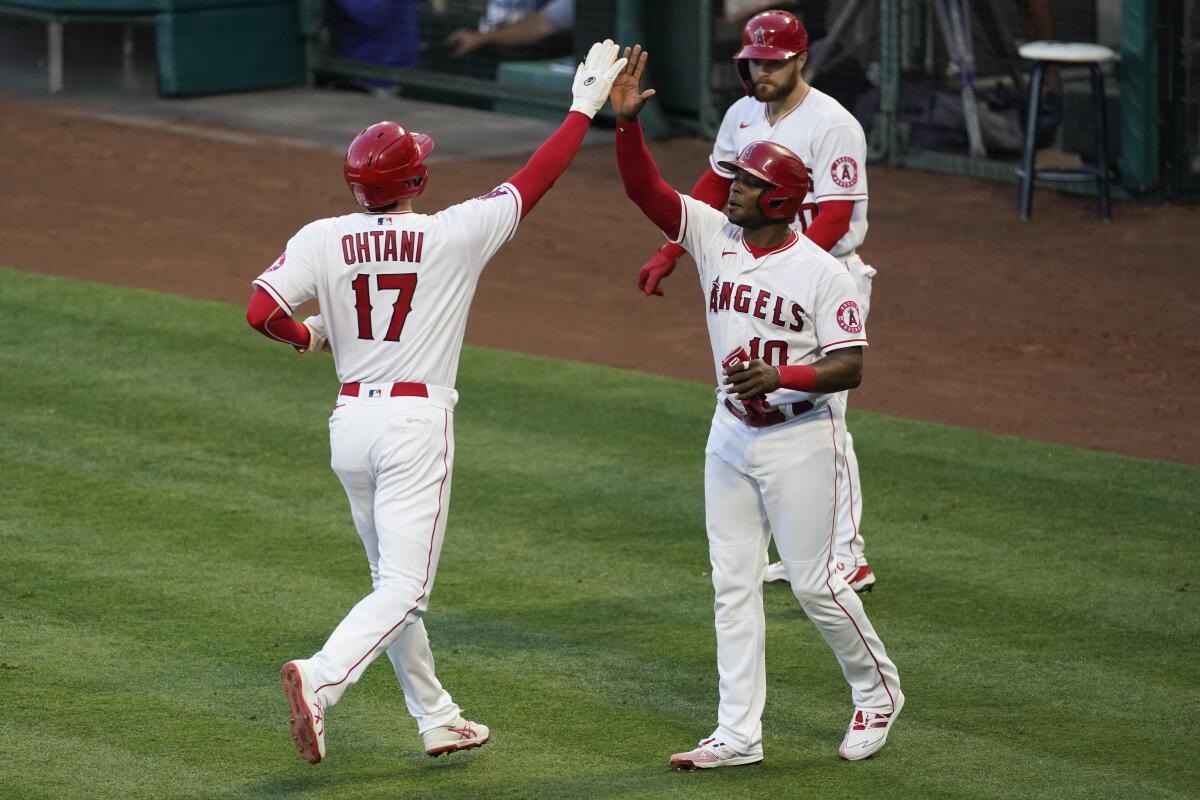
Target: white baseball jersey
[[826, 137], [395, 289], [791, 306]]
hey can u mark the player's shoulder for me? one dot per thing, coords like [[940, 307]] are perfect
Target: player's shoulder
[[744, 109], [817, 259], [504, 194], [822, 108]]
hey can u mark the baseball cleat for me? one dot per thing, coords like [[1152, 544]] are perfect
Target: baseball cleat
[[462, 734], [867, 732], [861, 579], [711, 753], [775, 572], [308, 715]]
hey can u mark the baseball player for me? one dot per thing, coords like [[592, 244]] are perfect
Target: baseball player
[[787, 334], [781, 107], [394, 289]]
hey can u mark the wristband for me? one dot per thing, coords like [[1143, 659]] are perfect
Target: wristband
[[801, 377]]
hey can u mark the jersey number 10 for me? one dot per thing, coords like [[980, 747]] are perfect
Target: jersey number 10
[[405, 284]]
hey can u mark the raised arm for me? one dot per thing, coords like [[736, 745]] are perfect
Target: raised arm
[[643, 182], [593, 79]]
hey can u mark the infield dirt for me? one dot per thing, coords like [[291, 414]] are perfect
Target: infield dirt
[[1063, 329]]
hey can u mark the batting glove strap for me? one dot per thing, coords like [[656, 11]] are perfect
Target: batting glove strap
[[594, 77]]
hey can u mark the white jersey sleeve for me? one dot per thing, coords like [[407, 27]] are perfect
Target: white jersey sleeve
[[725, 147], [483, 224], [702, 229], [293, 279], [839, 317], [837, 168]]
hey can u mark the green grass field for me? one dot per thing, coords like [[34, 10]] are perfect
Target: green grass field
[[170, 533]]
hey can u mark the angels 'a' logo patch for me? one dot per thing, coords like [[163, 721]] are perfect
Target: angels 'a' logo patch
[[278, 262], [849, 317], [844, 172], [760, 37], [499, 191]]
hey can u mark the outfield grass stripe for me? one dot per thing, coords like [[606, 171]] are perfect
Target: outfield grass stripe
[[170, 533]]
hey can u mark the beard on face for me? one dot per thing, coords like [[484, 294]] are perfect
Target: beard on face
[[764, 93]]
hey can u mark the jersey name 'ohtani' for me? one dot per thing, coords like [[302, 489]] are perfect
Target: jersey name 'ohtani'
[[792, 305], [395, 289]]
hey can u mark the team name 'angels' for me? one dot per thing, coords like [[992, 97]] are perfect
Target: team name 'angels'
[[724, 295], [359, 248]]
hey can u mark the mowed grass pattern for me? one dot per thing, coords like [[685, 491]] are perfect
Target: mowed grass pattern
[[170, 533]]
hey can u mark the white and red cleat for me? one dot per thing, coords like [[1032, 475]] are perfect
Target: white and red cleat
[[308, 715], [867, 732], [462, 734], [860, 580], [711, 753]]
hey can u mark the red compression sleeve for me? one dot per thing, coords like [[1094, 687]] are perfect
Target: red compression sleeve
[[801, 377], [266, 317], [550, 160], [712, 189], [831, 223], [643, 183]]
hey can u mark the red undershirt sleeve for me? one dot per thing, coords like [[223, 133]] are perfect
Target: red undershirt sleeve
[[550, 160], [266, 317], [643, 182], [831, 223]]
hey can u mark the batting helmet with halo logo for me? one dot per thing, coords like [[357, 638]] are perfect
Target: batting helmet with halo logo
[[385, 164], [769, 36], [773, 163]]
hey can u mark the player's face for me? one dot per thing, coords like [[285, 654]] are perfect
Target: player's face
[[774, 80], [742, 207]]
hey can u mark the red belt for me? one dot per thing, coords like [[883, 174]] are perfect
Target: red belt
[[771, 417], [401, 389]]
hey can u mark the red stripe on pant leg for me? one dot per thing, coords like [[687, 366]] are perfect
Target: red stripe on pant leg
[[428, 559], [829, 574]]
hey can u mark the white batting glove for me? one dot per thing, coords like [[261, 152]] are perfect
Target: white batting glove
[[595, 77], [316, 334]]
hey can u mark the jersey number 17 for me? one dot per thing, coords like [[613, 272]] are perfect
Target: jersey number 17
[[405, 284]]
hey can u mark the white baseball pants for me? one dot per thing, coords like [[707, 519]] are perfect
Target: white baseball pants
[[849, 545], [394, 457], [781, 480]]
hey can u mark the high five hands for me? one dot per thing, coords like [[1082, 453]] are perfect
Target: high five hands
[[627, 96]]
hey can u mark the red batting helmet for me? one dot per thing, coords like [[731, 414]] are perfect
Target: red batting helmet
[[778, 166], [769, 36], [384, 164]]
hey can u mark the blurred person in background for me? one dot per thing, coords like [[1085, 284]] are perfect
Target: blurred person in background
[[514, 24]]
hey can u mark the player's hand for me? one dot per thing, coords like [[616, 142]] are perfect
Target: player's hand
[[658, 267], [594, 77], [316, 335], [627, 96], [748, 380], [464, 40]]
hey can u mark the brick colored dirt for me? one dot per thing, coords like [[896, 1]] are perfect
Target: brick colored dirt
[[1062, 329]]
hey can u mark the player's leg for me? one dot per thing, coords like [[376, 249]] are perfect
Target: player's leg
[[412, 659], [737, 536], [799, 482], [409, 448], [849, 547]]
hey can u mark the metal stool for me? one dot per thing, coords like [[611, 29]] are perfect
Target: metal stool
[[1044, 54]]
